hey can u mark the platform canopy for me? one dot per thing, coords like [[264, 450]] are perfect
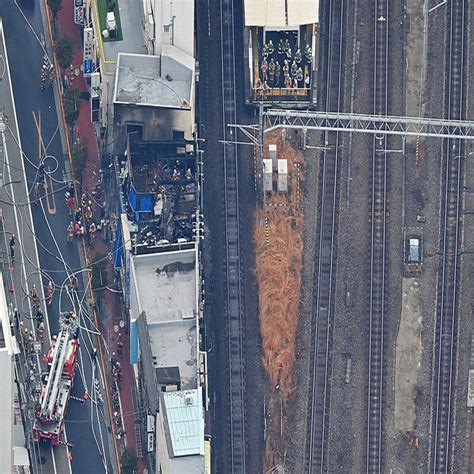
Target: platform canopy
[[281, 13]]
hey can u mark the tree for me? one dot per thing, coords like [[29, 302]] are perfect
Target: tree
[[99, 279], [79, 157], [55, 6], [72, 104], [128, 461], [64, 50]]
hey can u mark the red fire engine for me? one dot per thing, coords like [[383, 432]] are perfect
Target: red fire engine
[[57, 382]]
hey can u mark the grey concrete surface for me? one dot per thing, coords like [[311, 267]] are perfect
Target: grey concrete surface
[[86, 424], [17, 219], [408, 355], [414, 47]]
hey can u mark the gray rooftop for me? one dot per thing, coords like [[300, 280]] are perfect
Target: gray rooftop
[[166, 285], [131, 18], [158, 81]]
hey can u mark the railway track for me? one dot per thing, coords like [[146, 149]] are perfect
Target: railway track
[[233, 304], [444, 370], [325, 265], [379, 188]]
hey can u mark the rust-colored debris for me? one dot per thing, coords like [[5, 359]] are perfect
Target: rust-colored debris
[[279, 252]]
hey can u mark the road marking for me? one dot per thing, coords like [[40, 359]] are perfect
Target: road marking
[[41, 153], [49, 195]]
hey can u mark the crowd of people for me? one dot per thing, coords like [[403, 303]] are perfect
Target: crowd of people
[[280, 67], [83, 224], [116, 369]]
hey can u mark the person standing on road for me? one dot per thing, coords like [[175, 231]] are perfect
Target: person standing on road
[[39, 318], [41, 332], [120, 346], [41, 173], [92, 230], [12, 247], [37, 193], [70, 233], [69, 202], [50, 292]]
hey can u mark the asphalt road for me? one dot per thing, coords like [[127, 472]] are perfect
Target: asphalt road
[[85, 423]]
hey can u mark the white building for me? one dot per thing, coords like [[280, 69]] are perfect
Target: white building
[[180, 428], [13, 454], [169, 22]]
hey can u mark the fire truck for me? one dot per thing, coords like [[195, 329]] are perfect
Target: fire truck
[[57, 382]]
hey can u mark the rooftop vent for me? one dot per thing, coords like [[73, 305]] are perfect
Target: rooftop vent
[[188, 398]]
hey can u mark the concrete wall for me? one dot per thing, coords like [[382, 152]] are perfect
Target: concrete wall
[[179, 15], [6, 410], [162, 456], [158, 123]]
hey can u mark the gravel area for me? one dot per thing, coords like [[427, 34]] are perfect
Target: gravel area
[[297, 423]]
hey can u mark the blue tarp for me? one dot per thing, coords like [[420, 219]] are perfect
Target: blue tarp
[[118, 247], [146, 203], [133, 342]]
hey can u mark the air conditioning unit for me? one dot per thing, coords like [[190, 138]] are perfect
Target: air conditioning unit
[[188, 398]]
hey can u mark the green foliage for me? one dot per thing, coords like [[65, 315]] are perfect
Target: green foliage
[[128, 461], [79, 157], [99, 275], [64, 49], [72, 104], [55, 6]]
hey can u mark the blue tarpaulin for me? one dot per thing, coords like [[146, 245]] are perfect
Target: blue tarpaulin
[[118, 247]]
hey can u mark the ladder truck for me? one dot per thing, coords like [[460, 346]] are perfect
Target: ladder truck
[[57, 382]]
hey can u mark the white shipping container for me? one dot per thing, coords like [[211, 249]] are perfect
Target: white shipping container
[[282, 183], [267, 176]]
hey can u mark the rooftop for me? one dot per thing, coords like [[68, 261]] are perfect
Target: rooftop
[[156, 81], [281, 13], [167, 293], [183, 411], [131, 17]]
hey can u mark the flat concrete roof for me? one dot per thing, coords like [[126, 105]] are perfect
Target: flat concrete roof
[[166, 285], [157, 81], [281, 13], [131, 18]]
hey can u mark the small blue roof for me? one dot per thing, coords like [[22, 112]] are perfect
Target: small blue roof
[[185, 415]]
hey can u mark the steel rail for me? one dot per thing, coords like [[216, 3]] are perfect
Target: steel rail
[[377, 247], [319, 396], [442, 445], [232, 243]]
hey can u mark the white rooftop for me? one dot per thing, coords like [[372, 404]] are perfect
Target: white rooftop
[[157, 81], [185, 421], [281, 13], [167, 292]]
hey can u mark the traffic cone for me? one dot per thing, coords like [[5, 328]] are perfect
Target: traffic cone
[[11, 289]]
